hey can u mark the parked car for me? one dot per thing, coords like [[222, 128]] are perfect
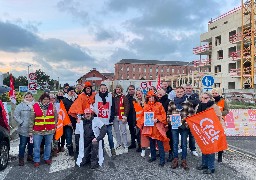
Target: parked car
[[4, 147], [4, 134]]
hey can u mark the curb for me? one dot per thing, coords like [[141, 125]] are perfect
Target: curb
[[245, 152]]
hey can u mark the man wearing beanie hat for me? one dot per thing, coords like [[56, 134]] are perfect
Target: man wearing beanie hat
[[121, 105], [84, 100]]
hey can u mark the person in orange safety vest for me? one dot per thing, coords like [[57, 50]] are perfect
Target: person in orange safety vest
[[220, 101]]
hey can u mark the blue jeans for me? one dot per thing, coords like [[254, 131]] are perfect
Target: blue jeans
[[24, 141], [208, 160], [110, 136], [192, 142], [153, 149], [184, 136], [68, 135], [47, 146]]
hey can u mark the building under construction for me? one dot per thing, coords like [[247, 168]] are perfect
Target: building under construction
[[227, 50]]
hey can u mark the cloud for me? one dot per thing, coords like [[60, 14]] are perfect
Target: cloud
[[16, 39], [109, 34], [73, 7]]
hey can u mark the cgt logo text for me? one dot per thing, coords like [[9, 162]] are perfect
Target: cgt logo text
[[206, 131]]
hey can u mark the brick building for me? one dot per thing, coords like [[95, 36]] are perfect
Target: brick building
[[95, 77], [149, 69]]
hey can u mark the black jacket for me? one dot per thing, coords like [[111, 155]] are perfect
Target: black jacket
[[165, 102], [131, 119], [67, 103], [194, 99], [89, 134]]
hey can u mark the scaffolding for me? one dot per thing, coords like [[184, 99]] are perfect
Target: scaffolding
[[248, 44]]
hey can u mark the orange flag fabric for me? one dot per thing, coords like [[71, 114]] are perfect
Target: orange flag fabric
[[208, 131], [63, 120]]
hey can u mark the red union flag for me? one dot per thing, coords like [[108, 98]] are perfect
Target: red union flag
[[208, 131]]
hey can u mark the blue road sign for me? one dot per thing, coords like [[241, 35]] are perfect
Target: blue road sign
[[208, 81], [23, 88]]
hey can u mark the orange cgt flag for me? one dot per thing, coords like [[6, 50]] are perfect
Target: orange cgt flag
[[63, 120], [208, 131]]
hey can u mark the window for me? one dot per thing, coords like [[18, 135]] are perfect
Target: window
[[168, 70], [133, 69], [145, 70], [121, 68], [93, 75], [220, 54], [150, 70], [217, 68], [231, 66], [162, 70], [216, 85], [231, 85], [139, 69], [183, 71], [217, 40], [172, 70], [156, 69], [127, 69], [232, 36], [231, 51]]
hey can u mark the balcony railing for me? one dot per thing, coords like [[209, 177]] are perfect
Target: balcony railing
[[226, 14], [235, 72], [203, 62], [202, 49], [235, 38]]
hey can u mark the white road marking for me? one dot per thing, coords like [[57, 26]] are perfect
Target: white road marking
[[62, 162], [5, 172]]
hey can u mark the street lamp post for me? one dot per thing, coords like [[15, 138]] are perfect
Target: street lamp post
[[28, 75], [58, 83]]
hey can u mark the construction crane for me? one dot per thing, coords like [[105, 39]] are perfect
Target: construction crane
[[248, 44]]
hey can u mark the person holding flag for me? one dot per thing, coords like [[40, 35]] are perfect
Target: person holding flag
[[223, 105], [68, 100], [207, 159], [42, 125]]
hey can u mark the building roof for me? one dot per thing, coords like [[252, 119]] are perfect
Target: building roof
[[137, 61], [108, 74]]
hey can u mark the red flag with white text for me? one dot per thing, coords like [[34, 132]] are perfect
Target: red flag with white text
[[12, 91]]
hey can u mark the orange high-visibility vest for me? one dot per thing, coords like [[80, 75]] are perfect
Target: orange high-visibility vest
[[44, 123]]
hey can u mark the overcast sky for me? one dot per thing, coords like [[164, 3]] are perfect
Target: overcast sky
[[67, 38]]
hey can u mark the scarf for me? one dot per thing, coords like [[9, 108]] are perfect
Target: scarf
[[71, 98], [103, 97], [204, 106], [29, 104], [217, 98], [44, 106], [178, 102]]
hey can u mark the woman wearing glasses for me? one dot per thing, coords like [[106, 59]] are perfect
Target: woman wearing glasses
[[207, 159], [43, 125]]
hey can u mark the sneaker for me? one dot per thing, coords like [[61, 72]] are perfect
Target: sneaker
[[143, 153], [21, 161], [184, 165], [36, 165], [208, 171], [30, 158], [113, 152], [151, 160], [180, 151], [125, 150], [175, 163], [49, 162], [201, 167], [149, 155], [194, 153], [132, 146], [119, 149]]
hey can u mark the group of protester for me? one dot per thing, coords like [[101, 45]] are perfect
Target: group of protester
[[92, 115]]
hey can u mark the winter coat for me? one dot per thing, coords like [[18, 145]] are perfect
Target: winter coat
[[22, 115], [193, 98], [68, 103], [165, 102], [132, 114], [126, 105], [187, 110]]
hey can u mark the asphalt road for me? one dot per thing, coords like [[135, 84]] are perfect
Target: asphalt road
[[129, 166]]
